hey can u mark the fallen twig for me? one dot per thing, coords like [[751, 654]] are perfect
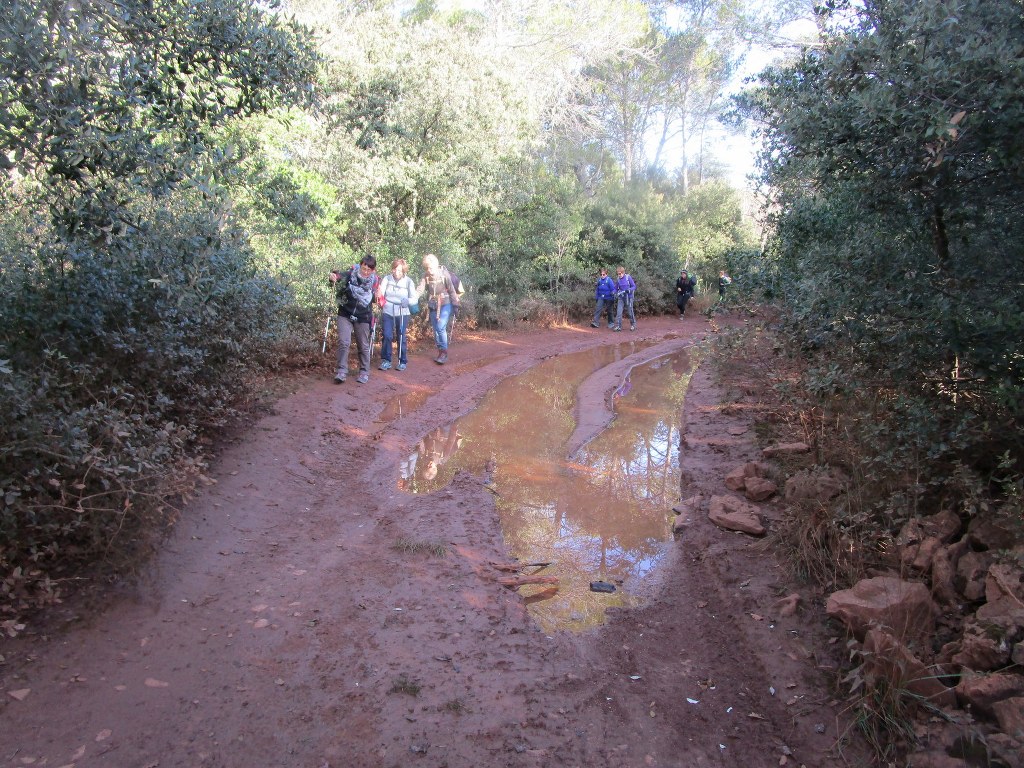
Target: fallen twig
[[517, 581], [512, 567]]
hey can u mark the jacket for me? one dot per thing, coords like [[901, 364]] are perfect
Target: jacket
[[605, 289], [625, 285], [355, 295]]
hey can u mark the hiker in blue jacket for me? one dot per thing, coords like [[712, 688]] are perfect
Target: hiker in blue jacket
[[625, 288], [604, 295]]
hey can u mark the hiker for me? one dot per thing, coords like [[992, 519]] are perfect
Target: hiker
[[396, 295], [436, 448], [442, 302], [685, 287], [625, 288], [723, 281], [355, 290], [604, 295]]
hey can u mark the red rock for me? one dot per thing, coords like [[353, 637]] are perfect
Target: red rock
[[905, 608], [734, 514]]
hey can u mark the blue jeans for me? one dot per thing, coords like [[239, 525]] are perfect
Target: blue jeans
[[439, 322], [394, 329]]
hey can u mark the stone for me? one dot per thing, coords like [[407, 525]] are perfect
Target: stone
[[934, 758], [1009, 714], [986, 533], [759, 489], [971, 570], [905, 608], [735, 514], [922, 560], [944, 525], [943, 577], [981, 691], [737, 479], [1005, 750], [785, 449], [886, 658], [688, 506], [980, 652], [1004, 580], [815, 485], [1005, 615]]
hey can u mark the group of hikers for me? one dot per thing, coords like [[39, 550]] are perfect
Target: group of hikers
[[358, 288], [617, 295]]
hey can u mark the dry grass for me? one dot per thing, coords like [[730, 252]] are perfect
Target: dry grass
[[429, 548], [406, 686]]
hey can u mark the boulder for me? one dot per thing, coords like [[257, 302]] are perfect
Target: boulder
[[735, 514], [1005, 615], [1004, 750], [1004, 580], [986, 533], [759, 489], [944, 525], [971, 570], [886, 658], [980, 652], [981, 691], [785, 449], [1009, 714], [905, 608]]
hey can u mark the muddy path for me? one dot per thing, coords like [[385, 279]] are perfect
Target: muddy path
[[294, 619]]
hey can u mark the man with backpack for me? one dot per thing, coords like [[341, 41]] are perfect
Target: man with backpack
[[355, 290]]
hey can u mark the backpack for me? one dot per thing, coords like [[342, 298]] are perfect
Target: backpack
[[456, 283]]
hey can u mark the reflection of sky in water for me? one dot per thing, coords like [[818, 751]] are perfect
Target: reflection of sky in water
[[604, 514]]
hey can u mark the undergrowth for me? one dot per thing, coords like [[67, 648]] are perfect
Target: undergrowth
[[881, 442]]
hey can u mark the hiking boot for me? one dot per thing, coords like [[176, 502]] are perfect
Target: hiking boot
[[442, 358], [363, 377], [632, 327], [401, 367], [594, 325], [611, 325], [339, 378], [385, 366], [617, 328]]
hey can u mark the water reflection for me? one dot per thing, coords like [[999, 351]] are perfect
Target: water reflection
[[601, 515]]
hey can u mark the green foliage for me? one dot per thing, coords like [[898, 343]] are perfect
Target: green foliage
[[132, 314], [894, 150]]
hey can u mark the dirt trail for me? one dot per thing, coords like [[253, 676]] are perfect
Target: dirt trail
[[282, 626]]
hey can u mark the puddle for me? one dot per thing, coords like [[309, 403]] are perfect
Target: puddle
[[400, 405], [603, 515]]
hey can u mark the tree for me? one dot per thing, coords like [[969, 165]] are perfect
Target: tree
[[895, 151], [131, 307]]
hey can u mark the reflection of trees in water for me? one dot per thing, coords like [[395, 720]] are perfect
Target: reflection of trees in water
[[523, 424], [604, 515]]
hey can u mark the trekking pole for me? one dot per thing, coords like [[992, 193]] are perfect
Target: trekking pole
[[373, 331], [327, 328], [451, 328]]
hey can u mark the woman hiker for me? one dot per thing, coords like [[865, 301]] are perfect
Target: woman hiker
[[442, 302]]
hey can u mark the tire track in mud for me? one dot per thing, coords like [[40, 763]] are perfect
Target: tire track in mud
[[267, 632]]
